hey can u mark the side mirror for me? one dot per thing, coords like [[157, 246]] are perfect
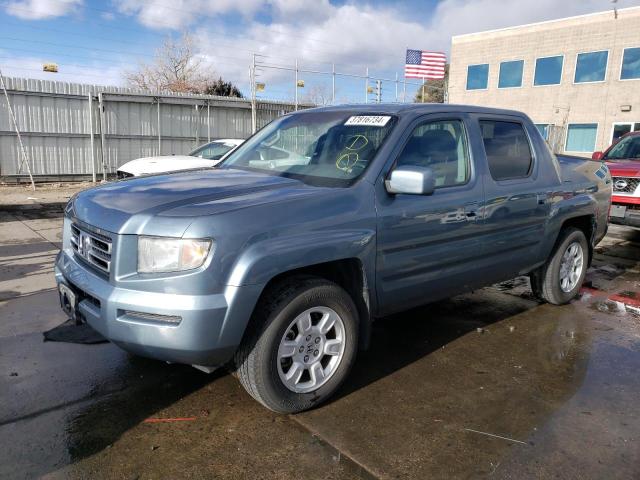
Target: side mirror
[[412, 180], [597, 156]]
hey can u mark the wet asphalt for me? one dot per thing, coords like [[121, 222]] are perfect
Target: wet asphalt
[[491, 384]]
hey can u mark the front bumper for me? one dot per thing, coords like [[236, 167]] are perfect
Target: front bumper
[[631, 216], [202, 330]]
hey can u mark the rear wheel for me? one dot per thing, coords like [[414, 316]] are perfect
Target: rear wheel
[[559, 280], [301, 346]]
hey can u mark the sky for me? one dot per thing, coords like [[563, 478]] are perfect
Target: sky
[[99, 41]]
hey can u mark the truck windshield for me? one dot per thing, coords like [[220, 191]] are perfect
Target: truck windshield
[[627, 148], [212, 151], [323, 148]]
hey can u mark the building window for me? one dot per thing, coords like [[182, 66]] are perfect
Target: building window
[[591, 67], [548, 71], [543, 128], [581, 137], [511, 74], [622, 128], [478, 77], [630, 64], [507, 148]]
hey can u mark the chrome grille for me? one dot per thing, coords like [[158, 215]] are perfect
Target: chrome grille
[[91, 247], [625, 184]]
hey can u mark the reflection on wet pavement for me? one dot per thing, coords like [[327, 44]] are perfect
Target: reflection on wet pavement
[[490, 383]]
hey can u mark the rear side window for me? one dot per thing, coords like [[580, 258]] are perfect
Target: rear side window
[[507, 148]]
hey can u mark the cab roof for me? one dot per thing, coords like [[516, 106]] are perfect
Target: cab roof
[[413, 108]]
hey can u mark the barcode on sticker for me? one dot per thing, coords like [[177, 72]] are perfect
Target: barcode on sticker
[[368, 120]]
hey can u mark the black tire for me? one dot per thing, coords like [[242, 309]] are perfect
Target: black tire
[[256, 360], [545, 282]]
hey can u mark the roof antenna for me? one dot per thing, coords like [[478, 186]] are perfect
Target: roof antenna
[[615, 9]]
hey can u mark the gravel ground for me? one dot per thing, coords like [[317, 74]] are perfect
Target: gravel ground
[[45, 193]]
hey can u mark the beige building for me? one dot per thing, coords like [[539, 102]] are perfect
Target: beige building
[[578, 78]]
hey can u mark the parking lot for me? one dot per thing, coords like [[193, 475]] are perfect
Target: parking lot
[[490, 383]]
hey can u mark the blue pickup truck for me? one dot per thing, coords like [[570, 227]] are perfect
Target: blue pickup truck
[[277, 262]]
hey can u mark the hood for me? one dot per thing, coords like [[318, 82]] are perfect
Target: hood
[[624, 168], [166, 205], [166, 163]]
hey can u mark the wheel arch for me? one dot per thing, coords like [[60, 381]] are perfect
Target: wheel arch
[[348, 273], [584, 223]]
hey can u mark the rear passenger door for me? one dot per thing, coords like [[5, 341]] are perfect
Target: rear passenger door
[[516, 191], [428, 246]]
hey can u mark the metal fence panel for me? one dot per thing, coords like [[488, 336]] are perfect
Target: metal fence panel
[[54, 119]]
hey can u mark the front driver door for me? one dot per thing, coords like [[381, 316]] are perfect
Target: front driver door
[[427, 245]]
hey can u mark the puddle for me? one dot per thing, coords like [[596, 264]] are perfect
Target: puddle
[[615, 308], [609, 271], [518, 286]]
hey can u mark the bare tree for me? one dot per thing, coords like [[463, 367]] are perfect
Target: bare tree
[[318, 95], [175, 68]]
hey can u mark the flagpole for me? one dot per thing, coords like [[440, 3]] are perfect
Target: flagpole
[[423, 82], [404, 77], [404, 89], [396, 86]]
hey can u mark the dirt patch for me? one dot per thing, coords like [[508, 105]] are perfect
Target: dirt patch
[[23, 197]]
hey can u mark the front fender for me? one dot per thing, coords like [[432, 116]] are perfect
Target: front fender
[[264, 260]]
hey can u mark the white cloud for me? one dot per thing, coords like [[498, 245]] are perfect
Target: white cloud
[[41, 9], [359, 36], [178, 14], [301, 10], [453, 17]]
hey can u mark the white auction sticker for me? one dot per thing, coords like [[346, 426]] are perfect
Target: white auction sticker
[[368, 120]]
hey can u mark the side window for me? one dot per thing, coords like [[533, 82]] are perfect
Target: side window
[[507, 148], [442, 146]]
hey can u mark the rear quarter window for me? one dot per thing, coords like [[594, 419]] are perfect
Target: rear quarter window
[[507, 148]]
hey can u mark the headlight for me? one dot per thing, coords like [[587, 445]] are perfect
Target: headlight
[[157, 254]]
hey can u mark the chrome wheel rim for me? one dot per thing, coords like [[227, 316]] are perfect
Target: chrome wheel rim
[[311, 349], [571, 267]]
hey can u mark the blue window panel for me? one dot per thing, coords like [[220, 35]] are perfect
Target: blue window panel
[[581, 137], [511, 74], [477, 77], [630, 64], [548, 70], [543, 128], [591, 67]]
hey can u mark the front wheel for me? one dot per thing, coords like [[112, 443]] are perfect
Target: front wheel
[[301, 346], [559, 280]]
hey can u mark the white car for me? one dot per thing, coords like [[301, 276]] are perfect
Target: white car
[[207, 155]]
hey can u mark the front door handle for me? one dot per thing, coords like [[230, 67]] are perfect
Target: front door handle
[[472, 211]]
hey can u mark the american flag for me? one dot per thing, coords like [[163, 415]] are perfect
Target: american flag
[[421, 64]]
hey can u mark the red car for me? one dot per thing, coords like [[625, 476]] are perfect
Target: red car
[[623, 160]]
